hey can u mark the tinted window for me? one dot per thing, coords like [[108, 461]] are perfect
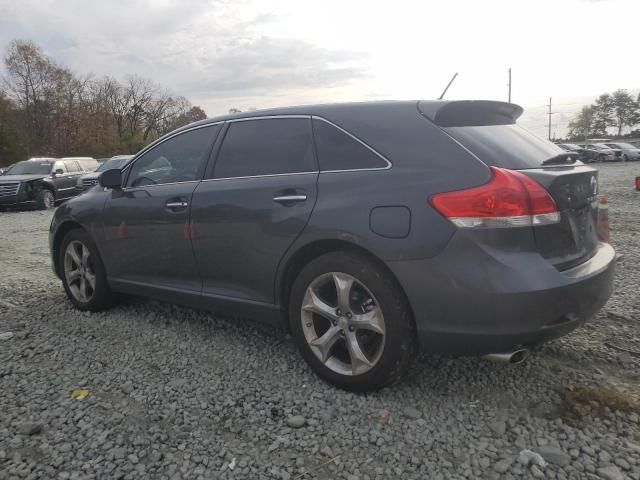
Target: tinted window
[[72, 166], [30, 168], [266, 147], [508, 146], [339, 151], [179, 159]]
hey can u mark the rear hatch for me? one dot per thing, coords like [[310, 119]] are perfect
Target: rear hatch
[[488, 130]]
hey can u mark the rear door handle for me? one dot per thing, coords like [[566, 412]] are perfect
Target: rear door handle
[[290, 198]]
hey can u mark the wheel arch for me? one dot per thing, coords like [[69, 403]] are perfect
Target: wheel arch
[[305, 254], [61, 232]]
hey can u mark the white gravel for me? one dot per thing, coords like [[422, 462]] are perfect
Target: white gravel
[[176, 393]]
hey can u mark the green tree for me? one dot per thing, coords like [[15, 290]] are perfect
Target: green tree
[[603, 114], [626, 110], [581, 127], [12, 146]]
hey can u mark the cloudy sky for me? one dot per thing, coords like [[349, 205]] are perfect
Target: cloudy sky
[[258, 53]]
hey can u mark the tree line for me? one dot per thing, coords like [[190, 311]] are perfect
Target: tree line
[[47, 110], [610, 113]]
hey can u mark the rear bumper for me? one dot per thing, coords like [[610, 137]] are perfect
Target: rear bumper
[[472, 300]]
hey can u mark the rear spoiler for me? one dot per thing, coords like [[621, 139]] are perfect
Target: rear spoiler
[[470, 113]]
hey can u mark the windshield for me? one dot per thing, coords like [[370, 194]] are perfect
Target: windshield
[[507, 146], [571, 147], [600, 146], [30, 168], [112, 163]]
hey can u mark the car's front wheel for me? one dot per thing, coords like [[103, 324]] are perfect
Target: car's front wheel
[[45, 199], [83, 273], [351, 322]]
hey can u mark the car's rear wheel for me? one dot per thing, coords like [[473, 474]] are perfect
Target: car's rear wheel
[[45, 199], [351, 322], [83, 273]]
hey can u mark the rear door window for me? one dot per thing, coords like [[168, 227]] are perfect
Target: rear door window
[[266, 147], [507, 146], [72, 166], [338, 150]]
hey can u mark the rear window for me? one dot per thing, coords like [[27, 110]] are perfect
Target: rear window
[[339, 151], [507, 146]]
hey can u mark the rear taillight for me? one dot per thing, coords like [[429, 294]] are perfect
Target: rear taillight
[[510, 199]]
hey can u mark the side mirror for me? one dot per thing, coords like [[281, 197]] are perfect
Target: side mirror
[[111, 179]]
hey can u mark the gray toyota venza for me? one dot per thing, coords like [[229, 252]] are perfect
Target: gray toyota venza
[[367, 229]]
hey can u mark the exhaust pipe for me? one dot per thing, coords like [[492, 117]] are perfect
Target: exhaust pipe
[[514, 357]]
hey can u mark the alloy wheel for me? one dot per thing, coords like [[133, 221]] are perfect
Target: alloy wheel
[[48, 200], [79, 272], [343, 323]]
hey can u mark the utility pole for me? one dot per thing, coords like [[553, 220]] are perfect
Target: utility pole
[[509, 84], [550, 113]]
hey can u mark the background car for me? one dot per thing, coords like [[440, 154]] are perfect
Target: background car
[[585, 155], [39, 182], [89, 164], [91, 179], [366, 229], [604, 153], [629, 152]]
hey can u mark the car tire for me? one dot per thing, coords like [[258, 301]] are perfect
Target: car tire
[[601, 158], [381, 359], [625, 158], [83, 274], [45, 199]]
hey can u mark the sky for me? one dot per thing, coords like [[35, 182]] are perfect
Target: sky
[[224, 54]]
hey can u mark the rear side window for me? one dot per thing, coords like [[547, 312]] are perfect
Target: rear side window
[[507, 146], [340, 151], [266, 147]]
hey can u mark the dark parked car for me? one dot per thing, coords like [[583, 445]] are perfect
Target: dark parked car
[[367, 229], [88, 164], [39, 182], [604, 153], [585, 155], [629, 152], [89, 180]]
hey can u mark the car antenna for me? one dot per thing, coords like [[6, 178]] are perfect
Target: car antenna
[[448, 85]]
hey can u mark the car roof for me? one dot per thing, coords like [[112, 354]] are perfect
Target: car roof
[[77, 158], [42, 159], [429, 108]]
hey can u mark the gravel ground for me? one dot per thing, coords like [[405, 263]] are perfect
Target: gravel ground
[[176, 393]]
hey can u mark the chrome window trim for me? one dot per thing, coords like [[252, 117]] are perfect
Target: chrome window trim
[[389, 164], [267, 117], [316, 172], [159, 185]]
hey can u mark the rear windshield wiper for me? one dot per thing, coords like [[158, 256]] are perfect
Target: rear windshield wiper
[[564, 158]]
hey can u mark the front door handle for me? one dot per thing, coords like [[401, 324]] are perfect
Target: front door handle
[[290, 198], [179, 205]]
